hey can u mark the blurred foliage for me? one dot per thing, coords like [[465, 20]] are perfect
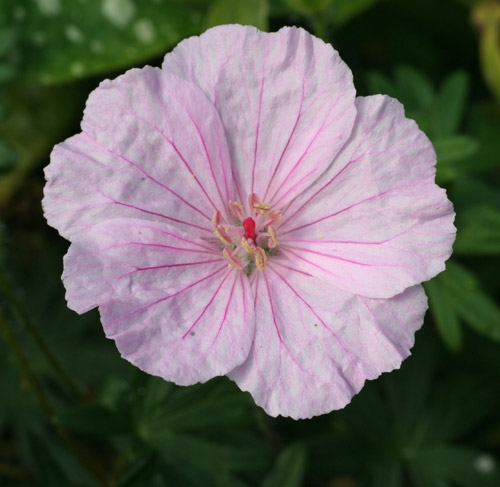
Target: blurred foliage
[[73, 413]]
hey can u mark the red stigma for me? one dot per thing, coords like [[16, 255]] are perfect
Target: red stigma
[[249, 226]]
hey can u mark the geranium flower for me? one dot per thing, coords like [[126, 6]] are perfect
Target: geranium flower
[[239, 212]]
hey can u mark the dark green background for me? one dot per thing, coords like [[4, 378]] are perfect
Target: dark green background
[[73, 413]]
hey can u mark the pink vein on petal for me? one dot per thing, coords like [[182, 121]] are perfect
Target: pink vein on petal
[[158, 301], [299, 114], [153, 213], [208, 306], [151, 178]]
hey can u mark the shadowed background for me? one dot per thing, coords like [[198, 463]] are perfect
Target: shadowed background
[[73, 413]]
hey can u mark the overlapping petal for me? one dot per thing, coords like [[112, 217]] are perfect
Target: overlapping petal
[[286, 100], [376, 223], [152, 147], [315, 345], [168, 300]]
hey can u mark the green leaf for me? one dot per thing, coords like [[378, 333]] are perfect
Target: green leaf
[[477, 309], [451, 102], [94, 420], [478, 231], [309, 7], [8, 39], [38, 118], [450, 150], [8, 157], [414, 88], [444, 314], [48, 469], [289, 469], [444, 466], [7, 73], [249, 12], [62, 41], [345, 10]]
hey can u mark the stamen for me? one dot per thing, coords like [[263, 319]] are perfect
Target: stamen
[[237, 209], [260, 258], [220, 231], [274, 218], [232, 259], [216, 219], [247, 247], [273, 242], [223, 235]]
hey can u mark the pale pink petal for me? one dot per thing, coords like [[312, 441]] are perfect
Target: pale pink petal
[[286, 100], [153, 147], [169, 300], [315, 345], [375, 223]]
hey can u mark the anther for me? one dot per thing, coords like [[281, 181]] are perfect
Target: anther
[[273, 242], [247, 247], [260, 258], [220, 231], [237, 209], [232, 259]]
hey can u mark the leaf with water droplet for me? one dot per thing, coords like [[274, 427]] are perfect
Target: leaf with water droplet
[[76, 39]]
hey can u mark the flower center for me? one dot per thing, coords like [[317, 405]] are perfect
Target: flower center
[[250, 239]]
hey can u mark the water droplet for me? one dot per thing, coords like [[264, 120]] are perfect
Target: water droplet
[[119, 12], [74, 34], [485, 464], [49, 7], [144, 30]]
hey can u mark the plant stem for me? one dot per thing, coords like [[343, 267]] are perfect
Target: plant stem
[[25, 320]]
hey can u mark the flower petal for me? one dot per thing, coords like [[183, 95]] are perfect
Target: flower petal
[[286, 100], [153, 147], [169, 301], [375, 223], [315, 345]]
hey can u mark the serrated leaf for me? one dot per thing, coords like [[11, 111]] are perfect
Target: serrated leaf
[[451, 102], [345, 10], [249, 12], [454, 148], [444, 314], [449, 151], [289, 468], [477, 309], [414, 88], [478, 231], [378, 83], [63, 41]]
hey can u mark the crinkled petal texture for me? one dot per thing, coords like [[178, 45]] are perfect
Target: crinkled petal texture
[[375, 223], [233, 112], [152, 147], [315, 345], [168, 300], [286, 100]]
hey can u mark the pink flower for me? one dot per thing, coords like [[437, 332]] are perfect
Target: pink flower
[[241, 212]]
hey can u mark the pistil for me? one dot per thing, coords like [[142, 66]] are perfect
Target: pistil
[[248, 240]]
